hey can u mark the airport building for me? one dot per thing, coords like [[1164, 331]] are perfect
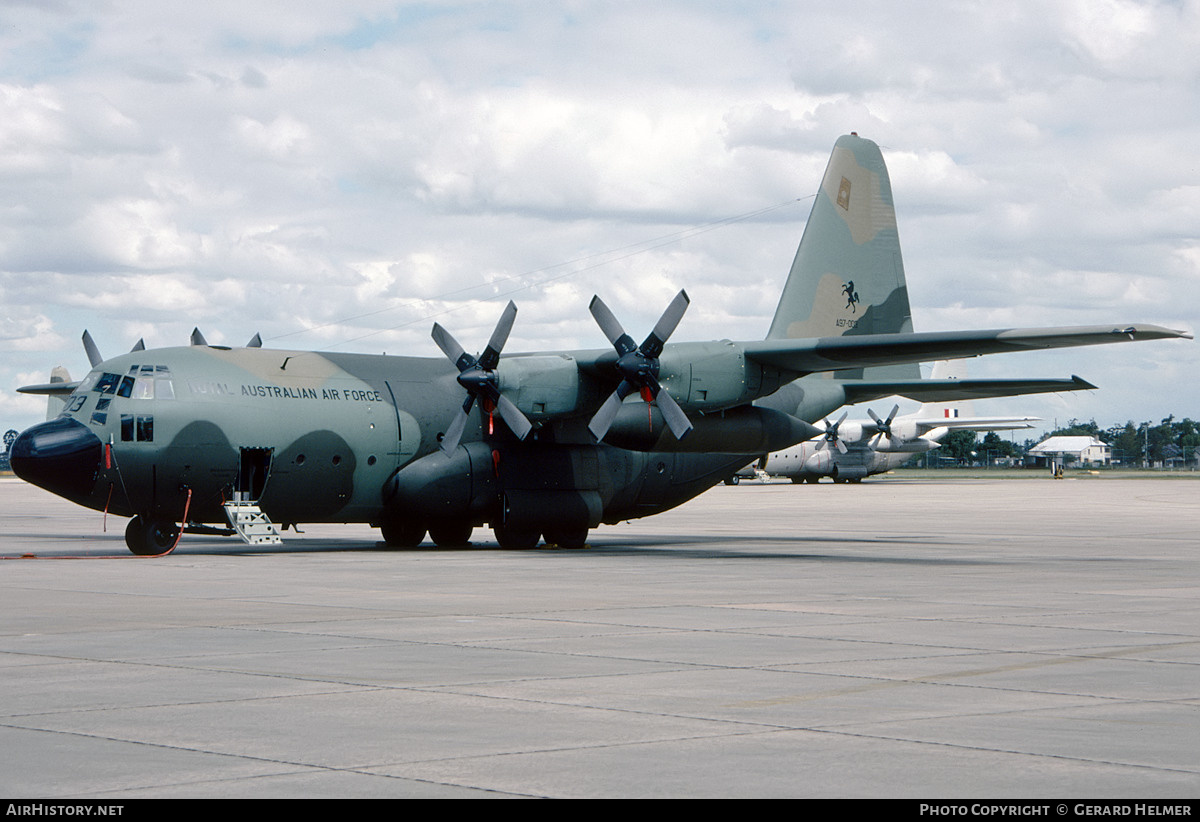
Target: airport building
[[1071, 451]]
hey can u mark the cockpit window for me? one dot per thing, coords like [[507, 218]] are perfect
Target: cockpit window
[[145, 382], [107, 384]]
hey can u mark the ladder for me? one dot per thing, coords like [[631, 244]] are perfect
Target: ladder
[[251, 523]]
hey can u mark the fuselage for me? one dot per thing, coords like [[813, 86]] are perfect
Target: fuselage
[[320, 437]]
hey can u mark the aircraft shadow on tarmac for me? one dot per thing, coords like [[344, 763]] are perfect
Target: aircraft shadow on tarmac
[[667, 547]]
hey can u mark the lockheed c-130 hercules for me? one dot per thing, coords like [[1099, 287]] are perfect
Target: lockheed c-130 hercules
[[535, 445]]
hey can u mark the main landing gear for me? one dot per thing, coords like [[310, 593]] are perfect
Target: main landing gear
[[405, 534], [150, 537]]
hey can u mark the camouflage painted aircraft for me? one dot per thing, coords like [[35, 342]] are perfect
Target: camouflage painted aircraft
[[540, 445]]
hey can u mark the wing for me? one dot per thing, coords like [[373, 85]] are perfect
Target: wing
[[835, 353]]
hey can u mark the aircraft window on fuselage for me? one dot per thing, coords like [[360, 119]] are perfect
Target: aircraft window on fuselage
[[126, 386], [139, 428], [86, 384], [107, 383], [164, 389], [143, 388], [99, 417]]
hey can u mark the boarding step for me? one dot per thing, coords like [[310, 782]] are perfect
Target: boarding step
[[251, 523]]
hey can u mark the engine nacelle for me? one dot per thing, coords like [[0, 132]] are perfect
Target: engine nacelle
[[820, 464], [708, 376], [747, 429], [542, 386], [892, 445]]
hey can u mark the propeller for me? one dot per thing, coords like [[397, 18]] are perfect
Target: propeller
[[638, 367], [831, 434], [478, 377], [883, 427], [93, 352]]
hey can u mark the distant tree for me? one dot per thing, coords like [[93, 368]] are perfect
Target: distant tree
[[959, 445], [994, 446], [1126, 444], [1075, 428]]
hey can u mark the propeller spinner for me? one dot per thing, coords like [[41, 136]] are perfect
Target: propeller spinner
[[478, 377], [638, 367]]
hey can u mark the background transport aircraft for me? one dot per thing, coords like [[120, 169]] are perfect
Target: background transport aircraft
[[536, 445], [849, 450]]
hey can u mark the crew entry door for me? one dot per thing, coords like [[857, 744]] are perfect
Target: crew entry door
[[253, 472]]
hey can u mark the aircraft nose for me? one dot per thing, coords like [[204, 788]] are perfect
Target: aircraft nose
[[60, 455]]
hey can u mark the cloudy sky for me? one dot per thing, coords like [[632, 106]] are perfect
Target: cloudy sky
[[339, 175]]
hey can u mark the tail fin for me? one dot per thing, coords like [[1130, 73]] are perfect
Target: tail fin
[[848, 276], [56, 402], [947, 370]]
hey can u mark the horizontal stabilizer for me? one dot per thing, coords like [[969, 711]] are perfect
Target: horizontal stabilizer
[[55, 389], [956, 390]]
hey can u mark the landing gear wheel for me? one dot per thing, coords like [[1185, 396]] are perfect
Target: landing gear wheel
[[450, 534], [734, 480], [515, 537], [401, 534], [148, 538], [567, 537]]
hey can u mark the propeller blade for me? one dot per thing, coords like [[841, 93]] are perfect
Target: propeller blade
[[608, 323], [666, 325], [603, 418], [93, 353], [450, 347], [517, 422], [478, 377], [457, 426], [255, 341], [198, 338], [883, 427], [491, 355], [638, 366], [831, 434], [140, 345], [677, 420]]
